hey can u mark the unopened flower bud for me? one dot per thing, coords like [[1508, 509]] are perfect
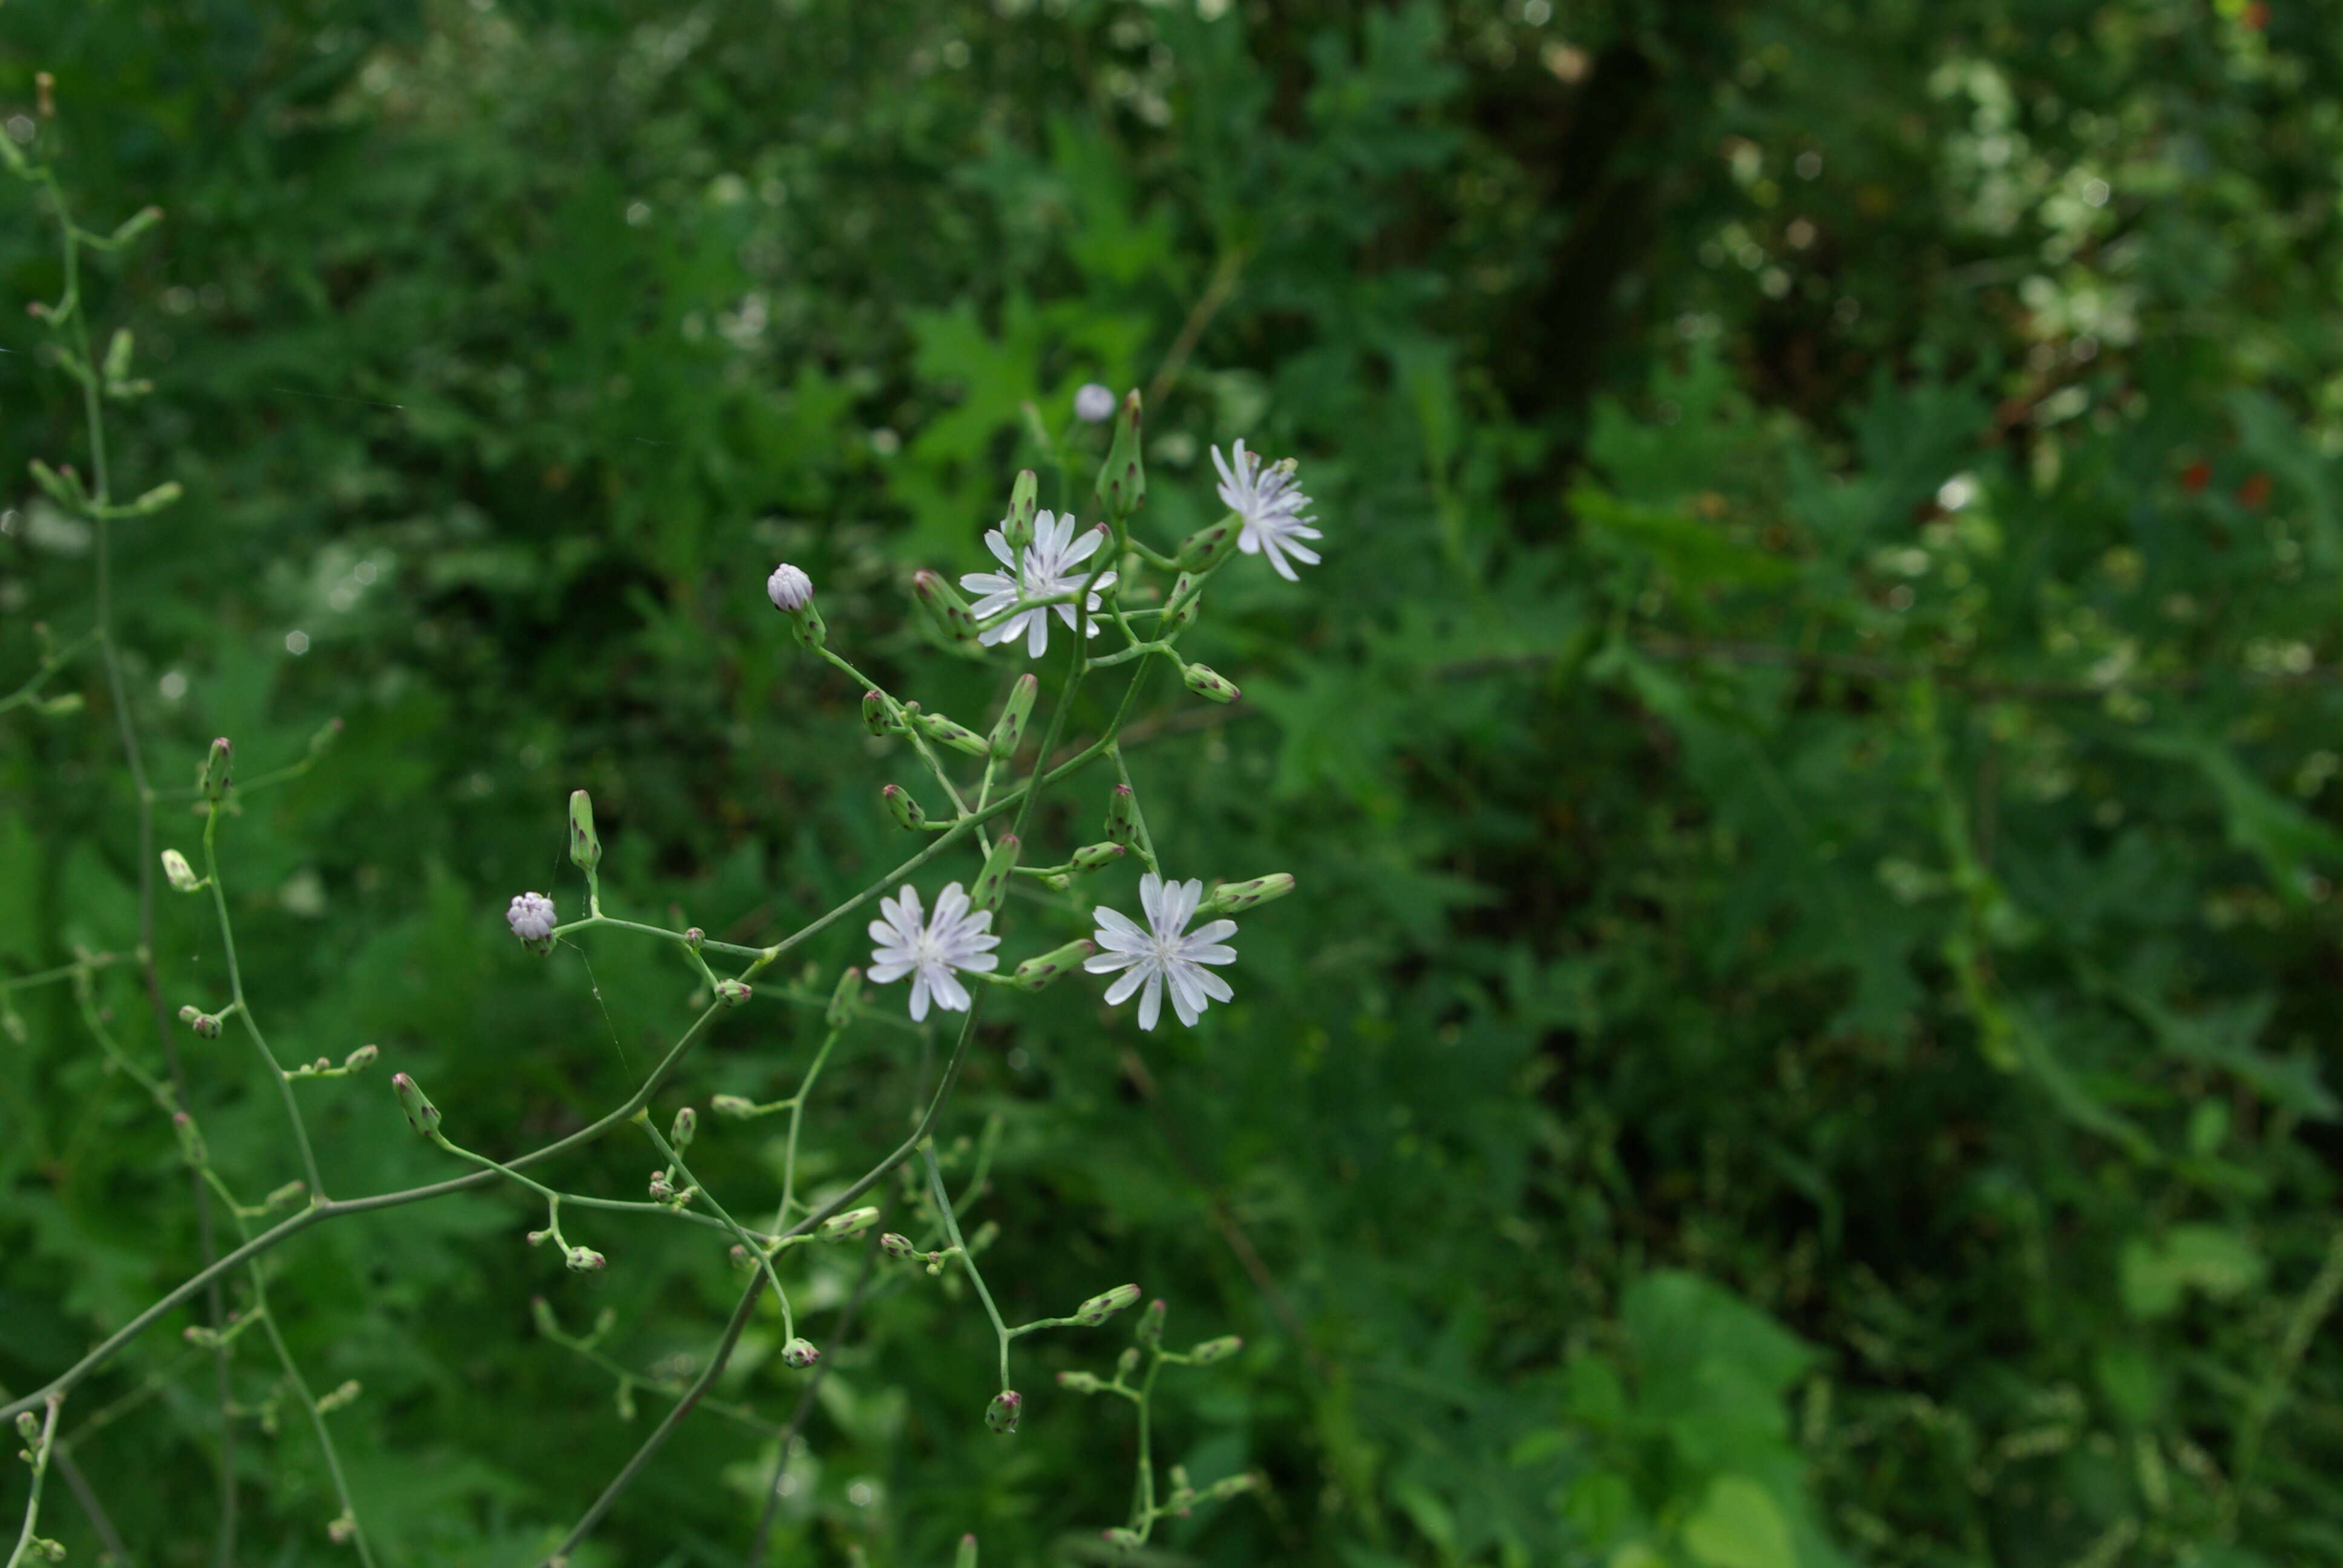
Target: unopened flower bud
[[1037, 973], [1230, 1486], [28, 1426], [1121, 814], [685, 1128], [790, 588], [731, 1107], [946, 612], [284, 1197], [1097, 857], [877, 717], [732, 992], [1124, 1539], [1008, 729], [844, 998], [1209, 683], [847, 1226], [335, 1399], [896, 1246], [1235, 898], [906, 812], [661, 1188], [992, 882], [1126, 1364], [1024, 500], [1093, 404], [1207, 544], [740, 1258], [694, 937], [966, 1556], [584, 1260], [1180, 610], [191, 1139], [213, 781], [1101, 1307], [800, 1354], [178, 873], [1001, 1415], [532, 919], [1079, 1381], [344, 1526], [361, 1059], [206, 1025], [1123, 477], [1211, 1351], [1150, 1331], [421, 1114], [945, 732], [585, 847]]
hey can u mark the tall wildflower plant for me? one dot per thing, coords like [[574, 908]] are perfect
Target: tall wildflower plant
[[1113, 605]]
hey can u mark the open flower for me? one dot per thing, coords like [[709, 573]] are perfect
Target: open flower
[[531, 917], [1052, 564], [909, 944], [1163, 953], [1270, 507]]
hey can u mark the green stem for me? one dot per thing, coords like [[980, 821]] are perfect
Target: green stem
[[42, 1448], [753, 1244], [243, 1011], [968, 1261], [797, 1115]]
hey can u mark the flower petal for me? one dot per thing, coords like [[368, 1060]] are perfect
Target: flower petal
[[920, 997], [1120, 992], [888, 970], [1213, 986], [1108, 962], [1150, 1001], [1151, 899], [951, 995]]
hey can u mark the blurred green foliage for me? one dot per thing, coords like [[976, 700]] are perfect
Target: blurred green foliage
[[1807, 1031]]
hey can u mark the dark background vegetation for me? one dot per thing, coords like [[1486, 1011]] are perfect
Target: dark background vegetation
[[1805, 1032]]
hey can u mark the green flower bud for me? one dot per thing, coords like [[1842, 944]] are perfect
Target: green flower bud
[[845, 997], [1180, 610], [1235, 898], [847, 1226], [1097, 857], [213, 780], [896, 1246], [156, 499], [1079, 1381], [906, 811], [731, 1107], [1211, 1351], [694, 937], [361, 1059], [63, 484], [966, 1556], [1204, 547], [809, 629], [1037, 973], [178, 873], [800, 1354], [1101, 1307], [584, 1260], [1122, 815], [946, 612], [191, 1139], [137, 224], [877, 717], [944, 732], [1126, 1364], [117, 355], [585, 847], [1150, 1331], [421, 1114], [992, 882], [684, 1128], [1230, 1486], [1008, 729], [1209, 683], [1124, 1539], [206, 1025], [732, 992], [1024, 500], [284, 1197], [1001, 1415], [1123, 477]]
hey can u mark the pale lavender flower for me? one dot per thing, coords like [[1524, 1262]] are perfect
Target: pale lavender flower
[[532, 919], [930, 949], [1094, 404], [1270, 507], [1051, 564], [790, 588], [1163, 953]]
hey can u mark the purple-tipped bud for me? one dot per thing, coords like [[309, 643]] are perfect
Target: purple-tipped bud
[[1123, 477], [1094, 404], [992, 882], [731, 1107], [1097, 857], [1024, 500], [1211, 1351], [584, 845], [1079, 1381], [1104, 1305], [966, 1556], [1150, 1331], [896, 1246], [1209, 684], [584, 1260], [191, 1139], [685, 1128], [732, 992], [1235, 898], [421, 1114], [1001, 1415], [946, 612], [800, 1354], [178, 873], [1180, 611], [845, 997], [1038, 973], [1008, 729], [213, 781], [206, 1025], [945, 732], [847, 1226], [361, 1059], [1121, 814], [906, 812], [532, 919], [877, 717], [1119, 1538], [1207, 544]]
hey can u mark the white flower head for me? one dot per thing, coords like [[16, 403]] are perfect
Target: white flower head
[[1094, 404], [930, 949], [1164, 953], [1271, 508], [1051, 564], [790, 588], [531, 917]]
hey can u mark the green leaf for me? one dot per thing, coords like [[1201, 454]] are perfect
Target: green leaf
[[1739, 1526]]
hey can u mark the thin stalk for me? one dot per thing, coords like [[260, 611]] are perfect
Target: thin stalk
[[242, 1010], [43, 1446]]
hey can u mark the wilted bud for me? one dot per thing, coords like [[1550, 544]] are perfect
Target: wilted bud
[[877, 717], [532, 919], [1079, 1381], [178, 873], [966, 1556], [1207, 683], [1001, 1415], [1211, 1351], [421, 1114], [1123, 477], [1037, 973], [1101, 1307], [191, 1139], [585, 845], [844, 998], [847, 1226], [800, 1354], [906, 811], [1008, 729], [685, 1128], [361, 1059], [1150, 1331], [1094, 404], [584, 1260], [731, 1107], [1180, 610], [213, 780], [992, 882], [1235, 898], [946, 612], [732, 992], [1207, 545], [1122, 815], [1097, 857], [945, 732]]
